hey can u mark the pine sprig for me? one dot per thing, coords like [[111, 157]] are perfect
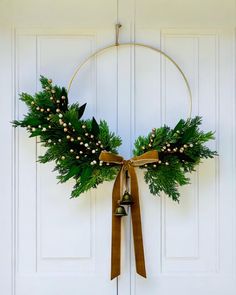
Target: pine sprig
[[180, 150]]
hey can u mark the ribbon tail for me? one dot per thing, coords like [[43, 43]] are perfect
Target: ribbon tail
[[116, 230], [137, 226]]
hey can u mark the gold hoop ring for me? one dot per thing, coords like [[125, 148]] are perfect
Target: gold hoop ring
[[102, 50]]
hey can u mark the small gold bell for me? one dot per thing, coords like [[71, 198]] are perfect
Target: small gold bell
[[120, 211], [126, 199]]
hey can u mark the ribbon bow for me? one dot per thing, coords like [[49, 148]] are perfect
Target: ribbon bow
[[127, 166]]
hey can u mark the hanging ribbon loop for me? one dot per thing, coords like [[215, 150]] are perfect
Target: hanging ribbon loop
[[127, 165]]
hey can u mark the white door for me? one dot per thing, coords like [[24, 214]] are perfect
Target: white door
[[53, 245]]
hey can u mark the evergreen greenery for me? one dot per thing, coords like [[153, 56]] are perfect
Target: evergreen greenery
[[180, 150], [75, 144]]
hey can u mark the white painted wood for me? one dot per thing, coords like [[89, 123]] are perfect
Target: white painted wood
[[66, 246], [193, 248], [53, 245], [7, 160]]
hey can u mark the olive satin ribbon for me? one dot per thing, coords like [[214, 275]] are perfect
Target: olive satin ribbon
[[127, 166]]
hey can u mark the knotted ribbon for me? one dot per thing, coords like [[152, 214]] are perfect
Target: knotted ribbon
[[127, 166]]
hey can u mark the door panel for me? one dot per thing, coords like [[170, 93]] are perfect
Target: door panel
[[62, 245], [187, 249], [54, 245]]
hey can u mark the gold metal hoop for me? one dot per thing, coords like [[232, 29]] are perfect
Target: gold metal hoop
[[102, 50]]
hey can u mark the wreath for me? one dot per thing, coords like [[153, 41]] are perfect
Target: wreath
[[87, 151], [75, 144]]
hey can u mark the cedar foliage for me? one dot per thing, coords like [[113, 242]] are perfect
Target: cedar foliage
[[75, 144], [180, 151], [75, 149]]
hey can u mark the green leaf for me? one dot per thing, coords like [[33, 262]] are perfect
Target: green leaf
[[44, 81], [81, 110], [75, 170], [179, 125], [95, 127], [86, 174]]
